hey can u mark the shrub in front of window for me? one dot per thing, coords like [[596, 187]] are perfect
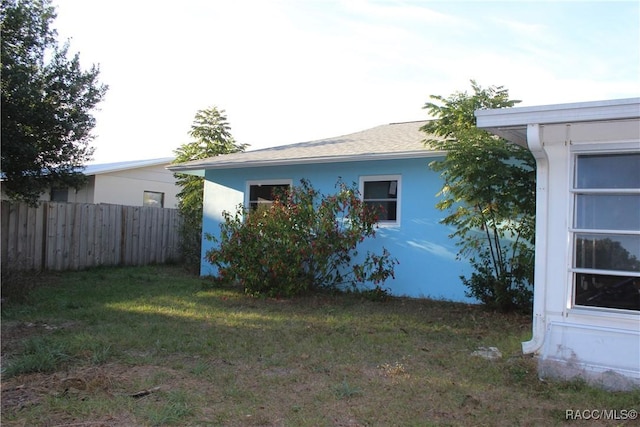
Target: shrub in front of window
[[303, 241]]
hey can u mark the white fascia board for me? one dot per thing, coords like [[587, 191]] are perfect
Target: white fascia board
[[98, 169], [617, 109], [191, 169], [511, 123]]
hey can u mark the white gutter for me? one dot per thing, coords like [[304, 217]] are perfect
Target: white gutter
[[536, 146], [615, 109]]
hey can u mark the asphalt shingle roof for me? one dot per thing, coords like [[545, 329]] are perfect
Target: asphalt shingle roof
[[395, 140]]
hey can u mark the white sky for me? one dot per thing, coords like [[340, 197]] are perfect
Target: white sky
[[290, 71]]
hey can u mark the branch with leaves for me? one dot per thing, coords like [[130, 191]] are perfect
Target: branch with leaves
[[47, 104], [489, 194], [211, 135]]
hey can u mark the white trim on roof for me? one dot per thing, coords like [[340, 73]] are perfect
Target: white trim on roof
[[238, 163], [616, 109], [96, 169], [511, 123]]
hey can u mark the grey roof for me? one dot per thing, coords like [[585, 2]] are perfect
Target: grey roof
[[392, 141], [97, 169]]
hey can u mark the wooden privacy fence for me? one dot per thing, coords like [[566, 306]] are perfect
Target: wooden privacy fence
[[71, 236]]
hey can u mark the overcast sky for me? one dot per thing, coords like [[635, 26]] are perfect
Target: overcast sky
[[297, 70]]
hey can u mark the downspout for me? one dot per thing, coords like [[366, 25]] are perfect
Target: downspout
[[536, 146]]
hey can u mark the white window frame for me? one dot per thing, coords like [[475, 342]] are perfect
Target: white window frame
[[249, 184], [620, 147], [398, 199]]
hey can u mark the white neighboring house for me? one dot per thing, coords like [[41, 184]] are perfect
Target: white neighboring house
[[131, 183], [587, 273]]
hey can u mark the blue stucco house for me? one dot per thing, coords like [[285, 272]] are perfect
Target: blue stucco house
[[390, 165]]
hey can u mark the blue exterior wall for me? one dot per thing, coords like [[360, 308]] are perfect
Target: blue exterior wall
[[428, 265]]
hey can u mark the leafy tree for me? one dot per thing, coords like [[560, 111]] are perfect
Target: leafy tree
[[46, 103], [489, 194], [212, 136], [303, 241]]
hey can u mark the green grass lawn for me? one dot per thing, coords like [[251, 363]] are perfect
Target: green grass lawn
[[153, 346]]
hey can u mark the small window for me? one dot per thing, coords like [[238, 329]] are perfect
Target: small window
[[60, 195], [382, 192], [153, 198], [263, 193], [606, 231]]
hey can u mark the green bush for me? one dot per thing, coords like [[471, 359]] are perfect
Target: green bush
[[506, 289], [303, 241]]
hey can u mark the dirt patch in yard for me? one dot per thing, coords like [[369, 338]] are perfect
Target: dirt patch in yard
[[131, 384], [79, 391], [14, 333]]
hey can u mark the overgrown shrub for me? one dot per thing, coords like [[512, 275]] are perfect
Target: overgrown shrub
[[303, 241]]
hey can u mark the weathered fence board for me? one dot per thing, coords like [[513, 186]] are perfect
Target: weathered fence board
[[71, 236]]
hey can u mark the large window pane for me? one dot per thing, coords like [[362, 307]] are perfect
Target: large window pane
[[386, 210], [608, 212], [608, 252], [264, 194], [608, 171], [598, 290], [380, 189]]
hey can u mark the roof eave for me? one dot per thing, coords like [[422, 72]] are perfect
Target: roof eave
[[511, 123], [615, 109], [137, 164], [193, 169]]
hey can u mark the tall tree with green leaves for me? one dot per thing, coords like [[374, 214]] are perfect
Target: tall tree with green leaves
[[489, 197], [211, 135], [47, 100]]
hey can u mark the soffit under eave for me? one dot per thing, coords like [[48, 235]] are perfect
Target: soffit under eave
[[516, 135]]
